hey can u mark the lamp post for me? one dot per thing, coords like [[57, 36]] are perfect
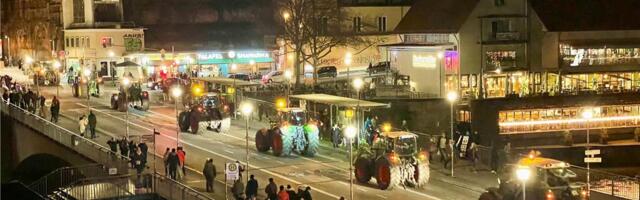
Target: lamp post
[[587, 114], [56, 66], [125, 83], [350, 133], [288, 74], [177, 93], [452, 96], [523, 173], [357, 84], [246, 109], [87, 74]]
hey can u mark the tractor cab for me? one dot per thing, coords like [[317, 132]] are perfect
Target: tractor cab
[[401, 143], [292, 116]]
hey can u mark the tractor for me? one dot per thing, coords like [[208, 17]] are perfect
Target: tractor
[[290, 132], [393, 159], [132, 94], [211, 113]]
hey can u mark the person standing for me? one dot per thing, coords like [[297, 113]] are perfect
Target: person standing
[[282, 194], [144, 149], [335, 136], [113, 145], [238, 189], [92, 124], [209, 172], [442, 145], [306, 195], [132, 151], [271, 190], [252, 188], [42, 106], [165, 160], [136, 159], [124, 147], [82, 122], [173, 162], [55, 109], [292, 194], [181, 157], [473, 156]]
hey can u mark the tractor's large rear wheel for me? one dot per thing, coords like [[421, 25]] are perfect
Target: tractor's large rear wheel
[[420, 175], [387, 174], [313, 141], [281, 143], [363, 169], [262, 140]]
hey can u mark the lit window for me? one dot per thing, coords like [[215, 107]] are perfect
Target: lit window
[[357, 24]]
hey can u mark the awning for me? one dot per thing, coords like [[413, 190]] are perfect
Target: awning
[[226, 81], [127, 64], [338, 100]]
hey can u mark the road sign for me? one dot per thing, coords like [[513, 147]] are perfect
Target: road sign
[[592, 160], [232, 171], [592, 152], [113, 171]]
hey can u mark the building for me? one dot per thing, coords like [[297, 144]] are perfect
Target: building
[[95, 35], [31, 29], [528, 68]]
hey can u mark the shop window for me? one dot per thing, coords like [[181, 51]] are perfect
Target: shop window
[[465, 81], [500, 59], [603, 56]]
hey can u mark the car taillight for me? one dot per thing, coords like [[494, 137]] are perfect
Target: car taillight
[[549, 195]]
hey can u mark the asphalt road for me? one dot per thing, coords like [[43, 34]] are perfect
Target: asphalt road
[[327, 173]]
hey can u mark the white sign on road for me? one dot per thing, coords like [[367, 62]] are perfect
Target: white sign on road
[[232, 171], [592, 160], [592, 152]]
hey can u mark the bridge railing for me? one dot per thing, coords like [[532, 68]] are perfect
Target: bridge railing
[[65, 176], [171, 189], [103, 155]]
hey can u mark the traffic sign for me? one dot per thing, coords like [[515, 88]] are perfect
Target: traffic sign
[[232, 171], [592, 160], [592, 152]]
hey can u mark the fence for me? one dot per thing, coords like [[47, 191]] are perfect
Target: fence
[[112, 187], [65, 176], [69, 139], [616, 185]]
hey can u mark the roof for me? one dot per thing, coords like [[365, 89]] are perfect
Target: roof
[[127, 64], [588, 15], [397, 134], [436, 16], [225, 81], [338, 100]]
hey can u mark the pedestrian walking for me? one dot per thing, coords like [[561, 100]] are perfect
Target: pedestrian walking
[[271, 190], [473, 156], [447, 153], [136, 158], [133, 148], [252, 188], [306, 195], [173, 162], [282, 194], [336, 136], [113, 145], [82, 122], [124, 147], [240, 169], [144, 149], [55, 109], [92, 124], [181, 157], [41, 106], [238, 190], [292, 193], [209, 172], [442, 145], [165, 160]]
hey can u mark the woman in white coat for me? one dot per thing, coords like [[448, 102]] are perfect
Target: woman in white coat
[[83, 124]]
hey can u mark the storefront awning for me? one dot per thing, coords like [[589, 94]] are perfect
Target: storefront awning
[[338, 100], [127, 64], [226, 81]]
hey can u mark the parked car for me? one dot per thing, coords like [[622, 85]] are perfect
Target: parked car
[[243, 77], [379, 67], [273, 77], [327, 71]]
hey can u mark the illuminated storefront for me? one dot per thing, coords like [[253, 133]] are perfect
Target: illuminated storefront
[[569, 118]]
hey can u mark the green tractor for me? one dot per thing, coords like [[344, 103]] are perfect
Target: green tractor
[[290, 132], [393, 159]]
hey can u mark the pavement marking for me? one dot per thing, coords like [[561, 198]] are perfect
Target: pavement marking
[[295, 166], [280, 162], [230, 152], [383, 197], [362, 189], [227, 157]]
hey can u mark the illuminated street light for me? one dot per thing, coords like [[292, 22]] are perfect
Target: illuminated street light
[[246, 109], [440, 55], [28, 60], [87, 72], [177, 93], [350, 133], [452, 96], [126, 81], [358, 83], [234, 66], [111, 54], [286, 15], [523, 173], [386, 127]]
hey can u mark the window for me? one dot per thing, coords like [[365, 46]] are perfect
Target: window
[[357, 24], [77, 42], [500, 26], [78, 11], [324, 25], [498, 3], [382, 24], [66, 42], [106, 41]]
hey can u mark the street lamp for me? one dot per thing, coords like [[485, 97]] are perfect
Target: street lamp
[[125, 84], [357, 84], [350, 133], [288, 74], [286, 15], [523, 173], [56, 66], [246, 109], [177, 92], [452, 97], [587, 114], [87, 74]]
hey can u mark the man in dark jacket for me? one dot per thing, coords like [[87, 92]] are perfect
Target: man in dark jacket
[[209, 172], [92, 124], [252, 188], [173, 161], [144, 149], [194, 120], [306, 195], [124, 147], [292, 193], [271, 190], [113, 145], [55, 109]]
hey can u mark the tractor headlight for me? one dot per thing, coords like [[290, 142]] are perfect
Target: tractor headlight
[[423, 155]]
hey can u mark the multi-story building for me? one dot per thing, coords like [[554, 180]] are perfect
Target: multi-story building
[[96, 36], [528, 68]]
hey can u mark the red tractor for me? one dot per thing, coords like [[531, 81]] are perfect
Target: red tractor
[[393, 159]]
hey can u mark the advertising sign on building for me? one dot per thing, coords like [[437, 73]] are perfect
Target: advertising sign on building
[[133, 42]]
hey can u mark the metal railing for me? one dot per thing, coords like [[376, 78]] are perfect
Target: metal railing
[[607, 183], [111, 187], [65, 176], [170, 189], [84, 146]]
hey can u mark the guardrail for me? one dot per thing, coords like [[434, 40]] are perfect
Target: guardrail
[[171, 189], [84, 146], [607, 183], [111, 187], [65, 176]]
